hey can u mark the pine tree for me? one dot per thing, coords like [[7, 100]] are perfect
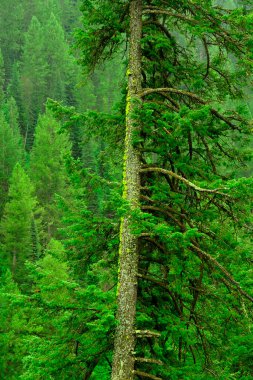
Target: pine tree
[[33, 79], [14, 90], [123, 364], [47, 168], [182, 122], [11, 150], [12, 115], [70, 15], [13, 321], [66, 12], [74, 292], [43, 10], [16, 224], [56, 54], [47, 70], [11, 37]]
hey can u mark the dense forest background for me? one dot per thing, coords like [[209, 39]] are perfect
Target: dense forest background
[[54, 196], [62, 127]]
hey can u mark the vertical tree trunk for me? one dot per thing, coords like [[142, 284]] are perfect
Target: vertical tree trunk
[[14, 262], [123, 362]]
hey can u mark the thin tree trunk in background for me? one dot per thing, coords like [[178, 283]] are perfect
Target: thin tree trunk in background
[[14, 262], [123, 362]]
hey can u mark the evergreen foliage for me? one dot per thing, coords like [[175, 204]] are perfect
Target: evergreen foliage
[[175, 201], [33, 78], [73, 293], [11, 33], [47, 169], [11, 149], [13, 320], [56, 55], [196, 60], [16, 224]]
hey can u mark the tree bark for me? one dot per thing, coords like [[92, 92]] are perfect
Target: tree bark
[[123, 361]]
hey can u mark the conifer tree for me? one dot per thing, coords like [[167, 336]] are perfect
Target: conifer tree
[[11, 37], [47, 70], [123, 364], [43, 11], [56, 55], [16, 224], [14, 90], [12, 115], [70, 15], [66, 12], [33, 78], [13, 320], [74, 291], [47, 168], [178, 124], [184, 292], [11, 150]]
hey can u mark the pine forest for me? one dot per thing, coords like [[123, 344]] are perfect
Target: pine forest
[[126, 182]]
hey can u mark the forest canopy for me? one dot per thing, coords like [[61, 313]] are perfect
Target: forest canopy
[[126, 189]]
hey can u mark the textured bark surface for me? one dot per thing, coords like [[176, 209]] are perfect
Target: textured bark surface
[[123, 362]]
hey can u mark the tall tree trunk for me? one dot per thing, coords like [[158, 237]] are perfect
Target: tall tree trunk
[[123, 362]]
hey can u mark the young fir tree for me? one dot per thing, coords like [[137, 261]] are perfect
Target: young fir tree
[[58, 60], [12, 115], [66, 11], [100, 156], [74, 292], [179, 237], [49, 342], [47, 169], [47, 70], [44, 10], [11, 150], [13, 320], [70, 15], [14, 87], [33, 74], [16, 225], [11, 34]]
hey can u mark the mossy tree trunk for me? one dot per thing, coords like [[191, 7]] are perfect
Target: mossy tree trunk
[[123, 363]]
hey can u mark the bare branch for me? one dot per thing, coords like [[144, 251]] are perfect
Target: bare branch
[[147, 360], [158, 11], [148, 91], [184, 180], [207, 57], [209, 154], [147, 375], [147, 333]]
